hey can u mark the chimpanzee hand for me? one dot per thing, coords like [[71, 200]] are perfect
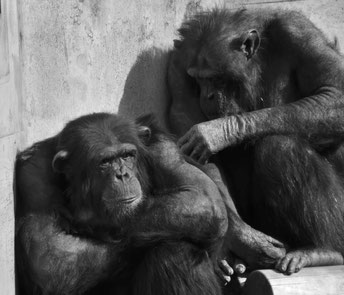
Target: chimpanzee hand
[[207, 138], [226, 267], [258, 249], [223, 270]]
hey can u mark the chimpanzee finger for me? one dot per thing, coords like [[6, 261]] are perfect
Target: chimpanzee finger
[[224, 278], [292, 265], [196, 153], [275, 242], [184, 139], [239, 266], [283, 263], [203, 159], [302, 263], [187, 148], [227, 279], [227, 270], [278, 265]]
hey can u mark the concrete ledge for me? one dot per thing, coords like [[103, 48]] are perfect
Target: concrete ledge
[[312, 281]]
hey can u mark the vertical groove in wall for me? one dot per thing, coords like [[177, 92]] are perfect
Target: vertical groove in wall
[[10, 96]]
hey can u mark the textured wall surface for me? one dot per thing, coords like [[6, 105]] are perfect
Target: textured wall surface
[[10, 101], [86, 56], [82, 56], [61, 59]]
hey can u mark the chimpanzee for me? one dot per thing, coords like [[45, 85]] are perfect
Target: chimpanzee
[[263, 89], [110, 206]]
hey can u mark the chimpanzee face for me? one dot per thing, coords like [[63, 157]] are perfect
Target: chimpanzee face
[[219, 60], [218, 96], [100, 159], [115, 182]]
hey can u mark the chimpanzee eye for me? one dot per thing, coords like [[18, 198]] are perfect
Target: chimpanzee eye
[[129, 154], [107, 161]]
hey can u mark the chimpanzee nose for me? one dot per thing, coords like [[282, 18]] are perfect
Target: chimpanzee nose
[[121, 174]]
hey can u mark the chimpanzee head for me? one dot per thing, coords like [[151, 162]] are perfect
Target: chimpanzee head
[[220, 53], [102, 157]]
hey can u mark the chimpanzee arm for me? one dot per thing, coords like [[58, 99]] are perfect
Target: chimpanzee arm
[[188, 205], [255, 247], [318, 116], [185, 112], [46, 256], [319, 74], [185, 200], [59, 263]]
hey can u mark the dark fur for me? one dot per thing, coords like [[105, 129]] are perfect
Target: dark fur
[[160, 248], [286, 170]]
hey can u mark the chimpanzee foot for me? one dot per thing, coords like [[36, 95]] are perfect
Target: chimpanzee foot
[[258, 250], [296, 260], [293, 262]]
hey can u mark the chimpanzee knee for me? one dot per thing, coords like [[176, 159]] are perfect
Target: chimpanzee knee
[[271, 152], [272, 156], [289, 178], [283, 163], [289, 161]]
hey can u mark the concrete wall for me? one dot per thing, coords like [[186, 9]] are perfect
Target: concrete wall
[[86, 56], [10, 102], [81, 56], [66, 58]]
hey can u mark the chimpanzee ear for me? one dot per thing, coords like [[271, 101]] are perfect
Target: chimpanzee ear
[[251, 43], [147, 128], [59, 161], [144, 133]]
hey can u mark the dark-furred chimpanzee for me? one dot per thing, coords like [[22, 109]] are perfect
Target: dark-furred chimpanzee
[[264, 91], [109, 206]]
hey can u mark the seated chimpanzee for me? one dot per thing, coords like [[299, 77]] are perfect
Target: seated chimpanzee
[[109, 206], [264, 90]]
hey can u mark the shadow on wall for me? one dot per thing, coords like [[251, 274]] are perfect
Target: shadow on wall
[[145, 89]]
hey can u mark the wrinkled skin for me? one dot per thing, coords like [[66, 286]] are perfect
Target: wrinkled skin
[[264, 94]]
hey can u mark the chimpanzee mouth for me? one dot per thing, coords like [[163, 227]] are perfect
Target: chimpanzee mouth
[[130, 199]]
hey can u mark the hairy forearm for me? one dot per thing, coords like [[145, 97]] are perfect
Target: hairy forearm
[[185, 214], [319, 117], [58, 262], [185, 200]]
